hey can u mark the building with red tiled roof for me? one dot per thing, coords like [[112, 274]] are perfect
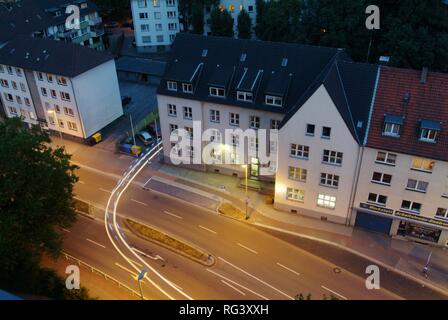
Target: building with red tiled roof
[[402, 187]]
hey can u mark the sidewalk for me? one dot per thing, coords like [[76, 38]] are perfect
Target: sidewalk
[[401, 255]]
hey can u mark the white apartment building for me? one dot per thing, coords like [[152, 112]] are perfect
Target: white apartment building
[[403, 180], [64, 87], [156, 23], [233, 7]]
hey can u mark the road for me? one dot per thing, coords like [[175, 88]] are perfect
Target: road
[[251, 264]]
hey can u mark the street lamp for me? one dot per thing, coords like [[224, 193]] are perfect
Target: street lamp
[[141, 275], [53, 112], [246, 167]]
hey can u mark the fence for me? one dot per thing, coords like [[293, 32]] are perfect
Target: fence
[[103, 274]]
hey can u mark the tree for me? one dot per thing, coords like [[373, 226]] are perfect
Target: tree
[[36, 189], [197, 19], [244, 25], [221, 23]]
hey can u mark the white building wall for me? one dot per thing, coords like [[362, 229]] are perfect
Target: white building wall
[[153, 12], [98, 97], [320, 111], [28, 112], [435, 197]]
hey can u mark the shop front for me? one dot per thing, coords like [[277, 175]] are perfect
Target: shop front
[[418, 232]]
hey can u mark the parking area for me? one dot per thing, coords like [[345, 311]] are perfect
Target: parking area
[[143, 102]]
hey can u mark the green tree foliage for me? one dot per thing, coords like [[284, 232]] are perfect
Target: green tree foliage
[[114, 9], [36, 185], [221, 23], [413, 33], [197, 19], [244, 25]]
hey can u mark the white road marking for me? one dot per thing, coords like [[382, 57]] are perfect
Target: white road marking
[[157, 257], [234, 288], [96, 243], [247, 248], [147, 182], [172, 214], [285, 267], [139, 202], [65, 230], [133, 274], [334, 292], [178, 287], [236, 283], [136, 263], [258, 279], [104, 190], [207, 229]]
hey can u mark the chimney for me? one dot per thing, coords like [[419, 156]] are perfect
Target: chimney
[[424, 75]]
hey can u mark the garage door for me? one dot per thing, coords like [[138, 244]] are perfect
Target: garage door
[[373, 222]]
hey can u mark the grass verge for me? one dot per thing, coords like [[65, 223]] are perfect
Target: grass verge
[[227, 209], [167, 241]]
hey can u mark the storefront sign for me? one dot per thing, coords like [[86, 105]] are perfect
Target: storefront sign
[[436, 222], [376, 208]]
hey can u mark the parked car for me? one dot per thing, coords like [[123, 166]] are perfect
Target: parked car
[[125, 100], [145, 138]]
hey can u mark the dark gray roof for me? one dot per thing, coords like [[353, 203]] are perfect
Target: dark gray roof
[[140, 65], [26, 17], [55, 57], [293, 70], [223, 64]]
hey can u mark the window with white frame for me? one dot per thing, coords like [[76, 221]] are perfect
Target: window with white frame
[[159, 27], [159, 38], [253, 143], [299, 151], [146, 39], [326, 201], [326, 132], [417, 185], [215, 116], [332, 157], [188, 113], [172, 110], [217, 92], [171, 85], [61, 80], [310, 129], [4, 83], [428, 135], [244, 96], [254, 122], [19, 72], [144, 27], [442, 213], [235, 140], [377, 199], [53, 94], [275, 124], [2, 69], [14, 85], [8, 96], [44, 91], [170, 3], [22, 87], [27, 101], [295, 194], [422, 164], [50, 78], [142, 3], [382, 178], [273, 101], [298, 174], [234, 119], [72, 126], [40, 76], [69, 111], [10, 71], [392, 129], [31, 115], [19, 99], [411, 206], [61, 123], [215, 136], [386, 158], [65, 96], [171, 14], [143, 15], [189, 132], [173, 127], [187, 87], [172, 26], [156, 3], [12, 110], [329, 180]]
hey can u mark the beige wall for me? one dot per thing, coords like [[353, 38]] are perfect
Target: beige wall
[[320, 111]]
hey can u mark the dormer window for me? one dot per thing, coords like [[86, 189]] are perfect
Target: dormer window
[[187, 87], [244, 96], [429, 130], [217, 92], [274, 101], [392, 125], [171, 85]]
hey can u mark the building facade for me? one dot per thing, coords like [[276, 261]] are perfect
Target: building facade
[[64, 87], [46, 19], [403, 180], [156, 23]]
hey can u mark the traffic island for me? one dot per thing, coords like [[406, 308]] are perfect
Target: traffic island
[[161, 238]]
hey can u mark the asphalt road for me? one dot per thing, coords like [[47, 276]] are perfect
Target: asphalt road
[[251, 264]]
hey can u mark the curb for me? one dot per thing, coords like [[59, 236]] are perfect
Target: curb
[[339, 246]]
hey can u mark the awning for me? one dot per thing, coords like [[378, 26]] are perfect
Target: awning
[[390, 118], [431, 125]]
